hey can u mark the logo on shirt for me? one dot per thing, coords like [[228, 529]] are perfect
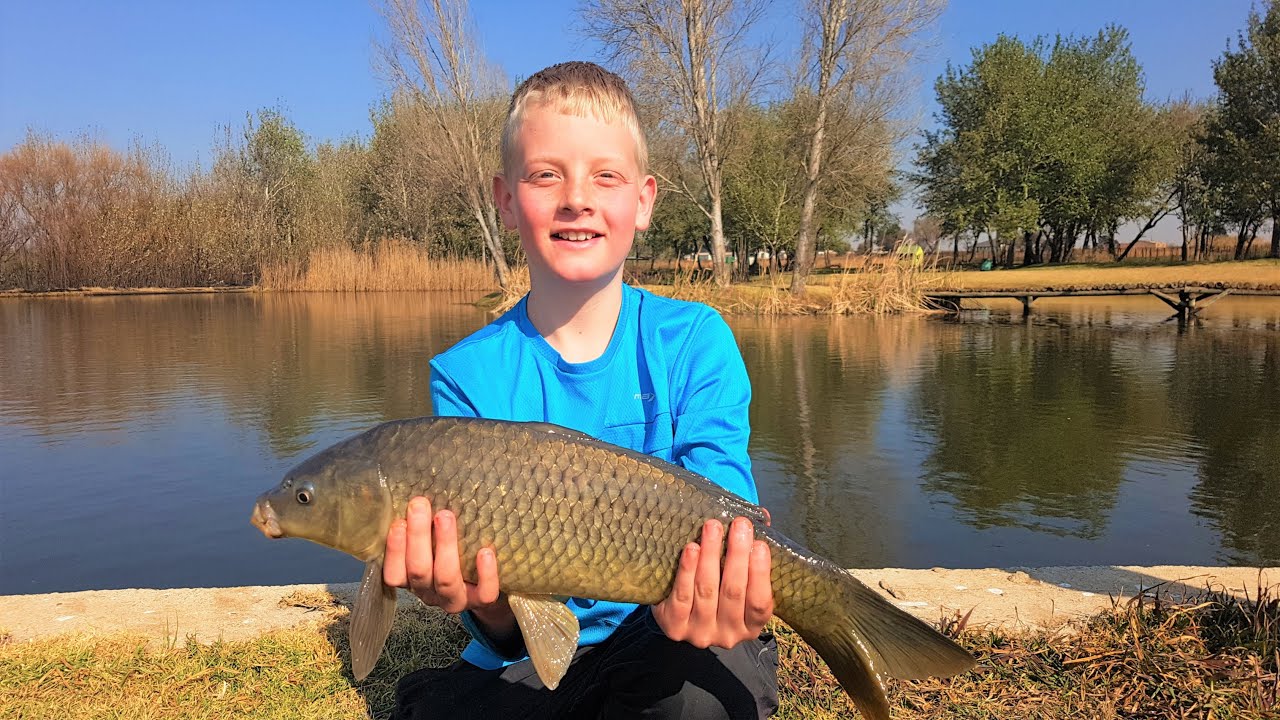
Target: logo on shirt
[[643, 396]]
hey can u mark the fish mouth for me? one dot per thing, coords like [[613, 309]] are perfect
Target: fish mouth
[[264, 518]]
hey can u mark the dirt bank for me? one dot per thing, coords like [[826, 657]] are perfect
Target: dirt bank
[[1014, 598]]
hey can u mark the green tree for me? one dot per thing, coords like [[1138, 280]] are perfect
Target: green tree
[[275, 160], [982, 169], [1244, 134], [762, 183], [1046, 143]]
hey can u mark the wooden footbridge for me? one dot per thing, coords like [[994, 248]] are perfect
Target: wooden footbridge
[[1186, 302]]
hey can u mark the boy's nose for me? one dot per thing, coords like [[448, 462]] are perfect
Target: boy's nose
[[577, 196]]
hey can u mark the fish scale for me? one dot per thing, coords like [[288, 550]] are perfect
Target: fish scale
[[569, 515]]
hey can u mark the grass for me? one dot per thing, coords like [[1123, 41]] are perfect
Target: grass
[[1253, 274], [887, 288], [1213, 657], [389, 266]]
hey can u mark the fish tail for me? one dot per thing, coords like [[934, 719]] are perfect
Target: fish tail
[[864, 638]]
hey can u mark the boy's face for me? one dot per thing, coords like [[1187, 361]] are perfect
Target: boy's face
[[574, 191]]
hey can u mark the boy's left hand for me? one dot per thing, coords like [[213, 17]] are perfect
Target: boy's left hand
[[708, 606]]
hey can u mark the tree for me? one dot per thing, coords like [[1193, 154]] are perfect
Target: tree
[[981, 170], [856, 51], [1045, 143], [1245, 131], [433, 57], [927, 231], [762, 183], [1168, 151], [275, 160], [690, 56]]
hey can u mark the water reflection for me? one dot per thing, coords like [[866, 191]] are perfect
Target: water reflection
[[1227, 393], [135, 431]]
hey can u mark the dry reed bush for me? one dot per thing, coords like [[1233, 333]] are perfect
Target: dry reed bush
[[880, 287], [1215, 656], [391, 265]]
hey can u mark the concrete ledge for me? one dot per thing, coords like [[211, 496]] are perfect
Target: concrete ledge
[[1012, 599]]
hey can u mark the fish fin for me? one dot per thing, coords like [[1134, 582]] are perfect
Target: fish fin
[[550, 631], [371, 619], [864, 638]]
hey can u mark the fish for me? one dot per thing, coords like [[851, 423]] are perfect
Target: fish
[[568, 515]]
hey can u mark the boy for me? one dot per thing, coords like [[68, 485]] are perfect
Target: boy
[[655, 375]]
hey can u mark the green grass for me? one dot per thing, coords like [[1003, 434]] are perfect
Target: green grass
[[1215, 657]]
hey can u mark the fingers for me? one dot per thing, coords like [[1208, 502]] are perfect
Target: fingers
[[710, 605], [759, 596], [393, 570], [733, 579], [485, 591], [449, 586], [419, 561], [672, 614], [706, 586]]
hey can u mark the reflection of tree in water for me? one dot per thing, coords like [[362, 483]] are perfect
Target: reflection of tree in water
[[1227, 384], [288, 363], [818, 391], [1028, 428]]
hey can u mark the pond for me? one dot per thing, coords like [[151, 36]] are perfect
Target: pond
[[135, 432]]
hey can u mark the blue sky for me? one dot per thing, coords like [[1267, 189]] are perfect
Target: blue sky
[[173, 73]]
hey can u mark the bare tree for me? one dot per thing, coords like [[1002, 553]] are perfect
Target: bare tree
[[693, 57], [855, 54], [433, 56]]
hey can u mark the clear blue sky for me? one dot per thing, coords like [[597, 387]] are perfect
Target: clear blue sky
[[172, 73]]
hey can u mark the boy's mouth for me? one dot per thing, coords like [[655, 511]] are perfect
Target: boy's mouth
[[573, 236]]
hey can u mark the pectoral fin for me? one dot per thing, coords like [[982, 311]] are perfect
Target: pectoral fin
[[550, 631], [371, 619]]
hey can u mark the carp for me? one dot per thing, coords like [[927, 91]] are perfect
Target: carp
[[568, 515]]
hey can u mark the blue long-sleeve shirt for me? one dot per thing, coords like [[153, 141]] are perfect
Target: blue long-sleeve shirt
[[671, 384]]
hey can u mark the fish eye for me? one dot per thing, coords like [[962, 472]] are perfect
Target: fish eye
[[305, 493]]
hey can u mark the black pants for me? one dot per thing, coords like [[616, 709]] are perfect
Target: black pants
[[637, 673]]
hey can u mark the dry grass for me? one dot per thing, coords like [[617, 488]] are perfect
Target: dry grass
[[1254, 274], [1214, 657], [389, 266], [887, 287]]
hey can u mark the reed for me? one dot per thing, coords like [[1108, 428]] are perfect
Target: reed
[[882, 287], [390, 265]]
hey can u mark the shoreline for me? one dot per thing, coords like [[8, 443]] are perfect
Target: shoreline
[[1256, 275], [1014, 600]]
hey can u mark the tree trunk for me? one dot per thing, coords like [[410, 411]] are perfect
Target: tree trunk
[[1275, 236], [807, 240], [719, 253]]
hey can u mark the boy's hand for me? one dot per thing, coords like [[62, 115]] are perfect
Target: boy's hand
[[708, 606], [422, 555]]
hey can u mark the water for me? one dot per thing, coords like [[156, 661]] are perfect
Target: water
[[135, 432]]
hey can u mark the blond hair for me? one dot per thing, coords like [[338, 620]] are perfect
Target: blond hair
[[576, 88]]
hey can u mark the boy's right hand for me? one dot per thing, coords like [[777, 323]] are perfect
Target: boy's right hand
[[422, 555]]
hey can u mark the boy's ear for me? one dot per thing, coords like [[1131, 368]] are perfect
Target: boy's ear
[[644, 209], [502, 198]]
